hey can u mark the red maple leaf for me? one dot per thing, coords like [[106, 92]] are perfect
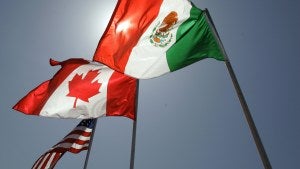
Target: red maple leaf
[[83, 88]]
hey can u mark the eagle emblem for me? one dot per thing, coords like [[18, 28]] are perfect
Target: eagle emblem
[[161, 35]]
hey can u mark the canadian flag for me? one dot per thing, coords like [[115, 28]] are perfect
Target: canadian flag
[[82, 89]]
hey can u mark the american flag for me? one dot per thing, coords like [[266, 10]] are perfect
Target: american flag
[[76, 141]]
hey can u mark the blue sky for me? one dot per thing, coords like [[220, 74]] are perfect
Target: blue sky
[[190, 118]]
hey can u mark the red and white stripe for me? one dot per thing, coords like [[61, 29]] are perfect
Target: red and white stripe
[[47, 161], [74, 142]]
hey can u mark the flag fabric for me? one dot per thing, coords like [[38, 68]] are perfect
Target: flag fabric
[[146, 39], [76, 141], [82, 89]]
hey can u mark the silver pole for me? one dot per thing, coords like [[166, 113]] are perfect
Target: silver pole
[[251, 124], [134, 128], [90, 146]]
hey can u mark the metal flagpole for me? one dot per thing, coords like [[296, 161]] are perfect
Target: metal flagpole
[[90, 146], [134, 128], [251, 124]]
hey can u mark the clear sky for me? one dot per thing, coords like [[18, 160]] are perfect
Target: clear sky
[[188, 119]]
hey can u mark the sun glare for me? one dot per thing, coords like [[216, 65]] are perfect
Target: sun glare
[[123, 26]]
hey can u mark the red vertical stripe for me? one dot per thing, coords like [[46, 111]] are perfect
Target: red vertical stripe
[[138, 15], [121, 94], [46, 161], [56, 158], [38, 162]]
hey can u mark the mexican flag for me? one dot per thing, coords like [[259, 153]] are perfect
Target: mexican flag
[[82, 89], [146, 39]]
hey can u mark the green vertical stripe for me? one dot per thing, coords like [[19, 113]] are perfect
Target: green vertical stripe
[[194, 41]]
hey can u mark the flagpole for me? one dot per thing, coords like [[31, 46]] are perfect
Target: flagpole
[[247, 114], [90, 146], [133, 140]]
